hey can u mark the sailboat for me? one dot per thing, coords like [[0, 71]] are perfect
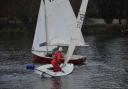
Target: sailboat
[[57, 25]]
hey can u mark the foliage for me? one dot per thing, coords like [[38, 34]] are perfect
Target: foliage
[[26, 11], [110, 9]]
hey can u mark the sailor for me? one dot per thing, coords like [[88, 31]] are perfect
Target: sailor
[[55, 50], [57, 60]]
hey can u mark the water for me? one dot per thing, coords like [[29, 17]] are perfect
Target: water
[[106, 66]]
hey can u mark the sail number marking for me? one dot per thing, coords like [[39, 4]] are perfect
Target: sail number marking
[[80, 20]]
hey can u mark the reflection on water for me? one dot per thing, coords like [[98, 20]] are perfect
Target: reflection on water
[[56, 83], [106, 66]]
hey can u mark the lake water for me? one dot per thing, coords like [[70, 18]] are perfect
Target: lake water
[[106, 66]]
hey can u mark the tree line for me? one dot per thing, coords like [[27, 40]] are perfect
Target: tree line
[[26, 11], [110, 9]]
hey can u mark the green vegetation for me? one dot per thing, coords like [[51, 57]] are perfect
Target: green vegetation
[[102, 29], [22, 14], [110, 9]]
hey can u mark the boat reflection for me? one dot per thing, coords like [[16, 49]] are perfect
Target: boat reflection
[[56, 83]]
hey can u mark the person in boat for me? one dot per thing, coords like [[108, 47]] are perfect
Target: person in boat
[[55, 50], [57, 60]]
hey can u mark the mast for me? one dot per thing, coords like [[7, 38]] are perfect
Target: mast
[[81, 14], [77, 35], [46, 26]]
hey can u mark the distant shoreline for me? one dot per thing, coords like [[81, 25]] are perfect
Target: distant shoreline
[[86, 29]]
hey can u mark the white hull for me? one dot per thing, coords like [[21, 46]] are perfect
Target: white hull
[[44, 70]]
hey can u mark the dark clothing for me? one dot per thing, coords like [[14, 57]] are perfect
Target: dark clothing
[[57, 61], [54, 51]]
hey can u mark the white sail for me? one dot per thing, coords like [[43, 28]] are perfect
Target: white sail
[[60, 21], [81, 14], [77, 38], [77, 35], [40, 32], [57, 25]]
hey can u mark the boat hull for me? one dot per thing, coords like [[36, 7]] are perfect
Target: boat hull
[[46, 71], [47, 60]]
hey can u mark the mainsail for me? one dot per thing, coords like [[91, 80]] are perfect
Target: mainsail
[[60, 21], [54, 25]]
